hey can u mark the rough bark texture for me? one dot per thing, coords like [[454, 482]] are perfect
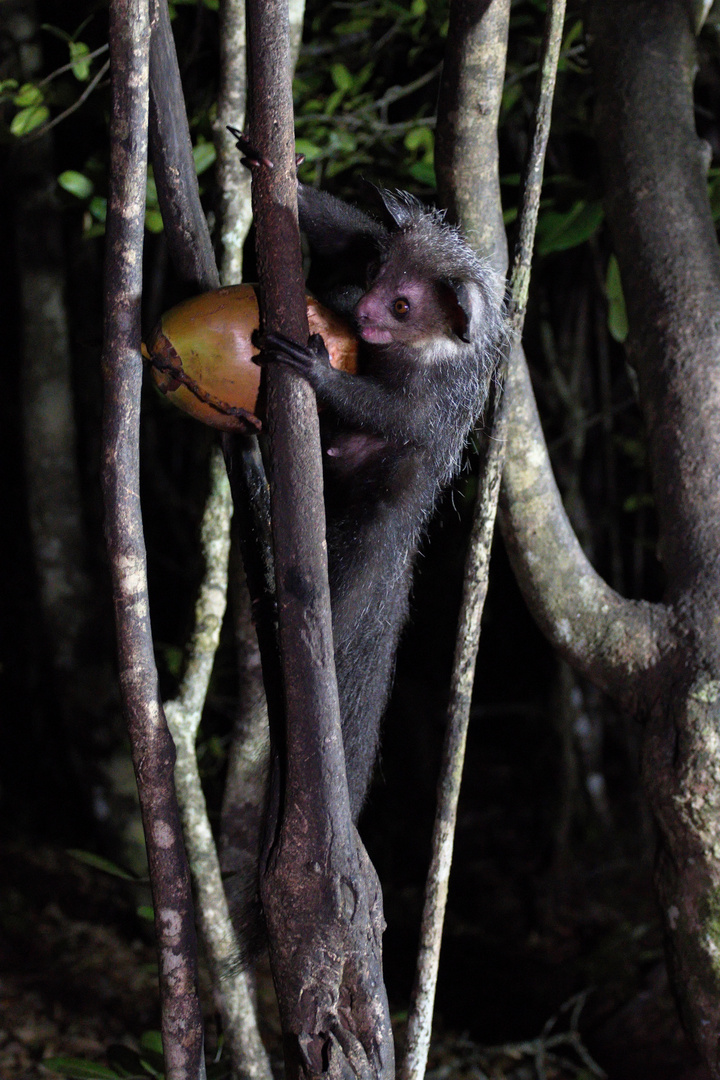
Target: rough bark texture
[[152, 747], [186, 229], [466, 158], [192, 253], [233, 178], [249, 1060], [471, 94], [320, 894], [613, 641], [661, 661], [644, 60]]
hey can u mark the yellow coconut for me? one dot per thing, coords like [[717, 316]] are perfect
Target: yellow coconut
[[201, 354]]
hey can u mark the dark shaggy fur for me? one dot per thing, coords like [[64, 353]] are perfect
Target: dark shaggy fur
[[429, 313]]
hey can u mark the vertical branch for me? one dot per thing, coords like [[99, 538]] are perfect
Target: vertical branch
[[319, 891], [466, 150], [186, 229], [476, 581], [233, 178], [152, 748], [296, 481], [249, 1059], [191, 249]]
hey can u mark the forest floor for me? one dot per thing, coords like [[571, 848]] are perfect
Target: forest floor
[[78, 980]]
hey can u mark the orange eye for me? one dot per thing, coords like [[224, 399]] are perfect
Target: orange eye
[[401, 307]]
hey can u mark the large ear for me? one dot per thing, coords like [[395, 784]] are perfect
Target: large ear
[[470, 306], [402, 207]]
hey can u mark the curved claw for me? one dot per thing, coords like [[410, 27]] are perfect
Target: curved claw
[[251, 157]]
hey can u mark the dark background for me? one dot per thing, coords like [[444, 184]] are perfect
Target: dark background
[[551, 891]]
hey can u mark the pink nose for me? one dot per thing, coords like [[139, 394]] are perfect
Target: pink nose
[[366, 310]]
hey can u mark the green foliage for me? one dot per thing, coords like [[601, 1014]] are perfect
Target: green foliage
[[34, 100], [561, 230], [77, 1069], [641, 501], [79, 56], [420, 145], [82, 187], [714, 193], [79, 51], [204, 155], [125, 1063], [99, 863], [76, 183], [153, 217], [617, 312], [32, 110], [173, 659], [365, 91]]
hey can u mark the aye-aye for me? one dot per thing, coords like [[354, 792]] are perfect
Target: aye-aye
[[428, 313]]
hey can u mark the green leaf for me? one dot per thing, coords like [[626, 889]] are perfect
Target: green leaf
[[99, 863], [424, 173], [80, 1070], [574, 34], [562, 231], [91, 229], [6, 85], [421, 140], [62, 34], [357, 25], [150, 1069], [76, 183], [153, 221], [152, 1040], [28, 119], [145, 911], [714, 193], [341, 77], [333, 101], [633, 503], [204, 155], [98, 208], [79, 52], [617, 312], [151, 195], [510, 97], [28, 94], [152, 1058], [174, 658], [311, 151], [634, 450]]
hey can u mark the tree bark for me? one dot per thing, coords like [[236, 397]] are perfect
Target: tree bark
[[319, 891], [658, 210], [152, 747], [661, 662]]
